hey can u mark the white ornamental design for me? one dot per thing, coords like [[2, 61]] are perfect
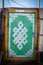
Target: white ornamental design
[[20, 35]]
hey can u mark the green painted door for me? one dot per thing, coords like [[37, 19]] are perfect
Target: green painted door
[[21, 27]]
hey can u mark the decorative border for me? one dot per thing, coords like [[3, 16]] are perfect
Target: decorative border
[[32, 21]]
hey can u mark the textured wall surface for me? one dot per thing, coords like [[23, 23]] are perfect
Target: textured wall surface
[[41, 32]]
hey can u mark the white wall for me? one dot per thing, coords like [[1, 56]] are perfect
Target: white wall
[[41, 32]]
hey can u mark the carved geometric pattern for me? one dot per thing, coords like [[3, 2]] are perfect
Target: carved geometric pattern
[[20, 35]]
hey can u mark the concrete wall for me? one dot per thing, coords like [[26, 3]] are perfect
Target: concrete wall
[[41, 32]]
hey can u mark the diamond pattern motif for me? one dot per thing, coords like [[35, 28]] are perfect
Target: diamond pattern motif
[[20, 35]]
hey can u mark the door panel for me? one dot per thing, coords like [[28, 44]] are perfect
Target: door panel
[[20, 29]]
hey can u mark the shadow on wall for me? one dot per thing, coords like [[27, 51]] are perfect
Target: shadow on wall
[[41, 56]]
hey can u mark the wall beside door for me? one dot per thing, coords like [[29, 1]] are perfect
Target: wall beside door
[[41, 36], [41, 32]]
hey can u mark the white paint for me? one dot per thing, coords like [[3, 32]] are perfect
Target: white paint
[[19, 10], [21, 38]]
